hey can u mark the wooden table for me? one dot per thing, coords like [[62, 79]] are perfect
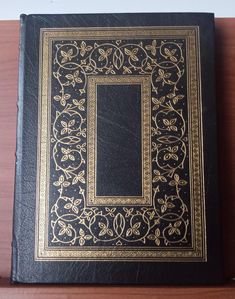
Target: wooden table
[[225, 69]]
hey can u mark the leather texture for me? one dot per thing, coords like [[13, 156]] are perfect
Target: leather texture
[[24, 268]]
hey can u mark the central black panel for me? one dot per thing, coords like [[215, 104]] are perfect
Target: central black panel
[[119, 157]]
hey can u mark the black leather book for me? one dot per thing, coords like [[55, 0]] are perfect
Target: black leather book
[[116, 163]]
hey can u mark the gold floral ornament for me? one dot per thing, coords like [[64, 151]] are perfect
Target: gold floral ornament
[[104, 54], [104, 230], [175, 98], [79, 178], [132, 53], [73, 205], [62, 99], [79, 104], [110, 211], [171, 153], [177, 182], [128, 212], [134, 229], [83, 237], [163, 76], [67, 56], [155, 236], [158, 102], [152, 47], [174, 229], [67, 126], [165, 203], [73, 78], [65, 229], [170, 124], [82, 147], [61, 182], [67, 154], [158, 177], [84, 48], [170, 54]]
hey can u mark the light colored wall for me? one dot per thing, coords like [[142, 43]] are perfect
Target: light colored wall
[[11, 9]]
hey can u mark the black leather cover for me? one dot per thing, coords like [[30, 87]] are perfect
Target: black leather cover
[[152, 154]]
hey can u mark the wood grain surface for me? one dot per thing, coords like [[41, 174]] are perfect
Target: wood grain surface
[[225, 92], [9, 41], [225, 86]]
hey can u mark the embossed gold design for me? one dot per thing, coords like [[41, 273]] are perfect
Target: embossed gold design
[[169, 229]]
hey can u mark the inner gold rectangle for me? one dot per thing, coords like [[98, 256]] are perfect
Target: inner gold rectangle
[[145, 82]]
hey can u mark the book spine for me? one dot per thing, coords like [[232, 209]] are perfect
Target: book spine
[[19, 143]]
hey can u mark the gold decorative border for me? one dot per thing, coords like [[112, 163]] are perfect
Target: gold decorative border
[[145, 82], [197, 194]]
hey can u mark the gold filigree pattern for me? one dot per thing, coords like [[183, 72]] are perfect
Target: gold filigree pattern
[[166, 223]]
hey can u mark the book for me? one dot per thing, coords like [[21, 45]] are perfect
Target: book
[[116, 161]]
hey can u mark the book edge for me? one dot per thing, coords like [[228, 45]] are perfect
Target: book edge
[[18, 154]]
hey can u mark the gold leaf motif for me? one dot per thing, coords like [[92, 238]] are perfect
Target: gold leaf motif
[[152, 47], [84, 48], [132, 53], [104, 54], [177, 98], [170, 53], [126, 70], [67, 56], [158, 177], [163, 76], [79, 104]]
